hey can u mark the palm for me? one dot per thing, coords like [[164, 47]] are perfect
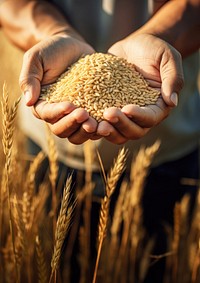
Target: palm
[[143, 54], [56, 54]]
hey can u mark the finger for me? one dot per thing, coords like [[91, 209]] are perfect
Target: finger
[[147, 116], [70, 123], [85, 132], [90, 126], [106, 130], [128, 128], [52, 112], [172, 76], [95, 137], [31, 76], [153, 83]]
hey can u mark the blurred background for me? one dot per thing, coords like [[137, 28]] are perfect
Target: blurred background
[[10, 65]]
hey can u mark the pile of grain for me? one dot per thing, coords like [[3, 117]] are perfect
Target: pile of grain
[[99, 81]]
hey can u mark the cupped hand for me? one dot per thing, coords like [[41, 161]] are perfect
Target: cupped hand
[[42, 65], [65, 120], [161, 66], [131, 122]]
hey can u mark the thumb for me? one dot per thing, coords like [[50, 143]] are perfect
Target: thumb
[[30, 77], [171, 76]]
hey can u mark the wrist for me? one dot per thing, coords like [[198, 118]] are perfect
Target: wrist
[[66, 32], [48, 21]]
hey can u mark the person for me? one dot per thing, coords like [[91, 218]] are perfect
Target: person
[[154, 36]]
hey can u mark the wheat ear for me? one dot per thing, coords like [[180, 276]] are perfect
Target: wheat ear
[[62, 226], [9, 115], [28, 195], [41, 262], [21, 246], [132, 213]]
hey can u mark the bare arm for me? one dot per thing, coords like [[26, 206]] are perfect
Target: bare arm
[[175, 24], [51, 46], [151, 49], [178, 23], [28, 22]]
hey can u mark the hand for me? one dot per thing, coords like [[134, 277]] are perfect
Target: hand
[[161, 65], [42, 65]]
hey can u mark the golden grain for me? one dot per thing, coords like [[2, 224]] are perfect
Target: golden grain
[[98, 79]]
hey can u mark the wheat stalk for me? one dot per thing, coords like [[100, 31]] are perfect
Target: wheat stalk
[[28, 195], [139, 170], [114, 243], [53, 173], [112, 179], [21, 249], [88, 149], [62, 226], [7, 141], [195, 238], [8, 267], [41, 262], [132, 212]]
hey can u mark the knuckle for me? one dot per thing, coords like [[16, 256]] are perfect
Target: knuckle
[[30, 56], [30, 67], [24, 82], [62, 108]]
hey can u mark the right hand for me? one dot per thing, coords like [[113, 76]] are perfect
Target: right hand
[[161, 65], [42, 65]]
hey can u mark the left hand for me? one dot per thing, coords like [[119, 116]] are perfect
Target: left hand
[[161, 66], [43, 64]]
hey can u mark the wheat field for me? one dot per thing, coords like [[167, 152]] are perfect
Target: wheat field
[[40, 222]]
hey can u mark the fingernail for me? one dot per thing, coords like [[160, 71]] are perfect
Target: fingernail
[[174, 98], [114, 120], [106, 134], [27, 96]]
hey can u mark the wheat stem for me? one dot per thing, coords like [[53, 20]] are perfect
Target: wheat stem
[[53, 173], [112, 179], [41, 263]]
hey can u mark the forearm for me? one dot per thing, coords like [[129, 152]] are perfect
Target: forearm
[[178, 23], [28, 22]]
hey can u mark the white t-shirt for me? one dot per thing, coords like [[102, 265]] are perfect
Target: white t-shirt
[[101, 23]]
